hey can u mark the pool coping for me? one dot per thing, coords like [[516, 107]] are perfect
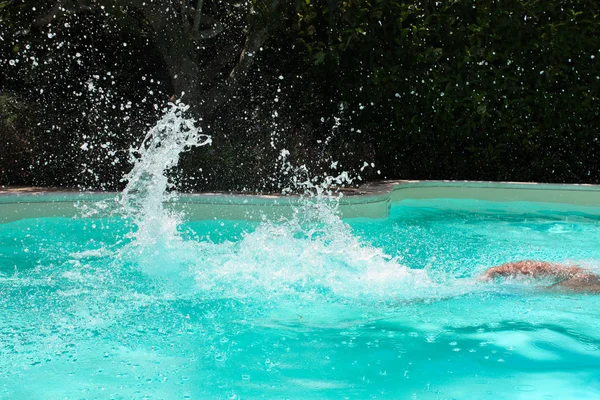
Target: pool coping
[[372, 200]]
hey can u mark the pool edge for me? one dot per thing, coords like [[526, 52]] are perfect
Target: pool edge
[[372, 200]]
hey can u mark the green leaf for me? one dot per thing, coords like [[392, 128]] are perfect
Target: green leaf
[[4, 4], [319, 57]]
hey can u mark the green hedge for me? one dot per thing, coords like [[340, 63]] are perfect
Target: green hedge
[[501, 90], [486, 90]]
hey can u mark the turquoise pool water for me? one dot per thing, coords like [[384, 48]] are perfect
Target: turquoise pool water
[[308, 307]]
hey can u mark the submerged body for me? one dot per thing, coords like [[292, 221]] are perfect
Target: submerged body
[[570, 276]]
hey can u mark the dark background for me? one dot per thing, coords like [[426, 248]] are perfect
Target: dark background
[[477, 90]]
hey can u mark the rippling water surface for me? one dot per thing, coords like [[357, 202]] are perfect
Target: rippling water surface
[[308, 307]]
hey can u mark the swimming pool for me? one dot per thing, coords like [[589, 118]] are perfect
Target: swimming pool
[[298, 304]]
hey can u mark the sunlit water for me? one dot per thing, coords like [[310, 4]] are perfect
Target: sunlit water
[[309, 307]]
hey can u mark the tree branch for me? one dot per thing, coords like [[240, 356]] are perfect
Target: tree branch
[[60, 9], [184, 7], [216, 28], [253, 43], [221, 93], [219, 61], [198, 18]]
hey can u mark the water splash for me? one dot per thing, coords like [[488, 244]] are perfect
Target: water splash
[[311, 257], [154, 245], [305, 261], [148, 188]]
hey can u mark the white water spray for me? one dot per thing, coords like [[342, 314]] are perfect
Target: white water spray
[[311, 257], [148, 188]]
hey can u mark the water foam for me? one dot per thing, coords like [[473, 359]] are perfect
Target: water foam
[[307, 261]]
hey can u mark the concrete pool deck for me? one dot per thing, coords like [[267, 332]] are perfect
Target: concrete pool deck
[[372, 200]]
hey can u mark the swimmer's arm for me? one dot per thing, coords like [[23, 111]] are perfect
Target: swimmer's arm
[[532, 269], [581, 282]]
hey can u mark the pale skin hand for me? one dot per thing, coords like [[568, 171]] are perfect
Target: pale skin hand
[[572, 277]]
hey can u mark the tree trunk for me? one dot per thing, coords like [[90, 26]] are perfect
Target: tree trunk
[[176, 39], [177, 52]]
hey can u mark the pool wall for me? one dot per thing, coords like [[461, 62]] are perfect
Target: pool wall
[[370, 201]]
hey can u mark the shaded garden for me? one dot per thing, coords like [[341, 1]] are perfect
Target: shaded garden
[[480, 90]]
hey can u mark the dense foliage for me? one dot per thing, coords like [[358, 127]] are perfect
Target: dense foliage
[[484, 89]]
